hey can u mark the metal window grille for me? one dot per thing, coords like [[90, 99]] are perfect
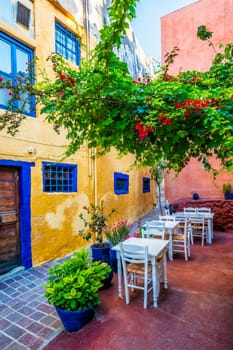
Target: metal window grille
[[23, 15], [59, 178]]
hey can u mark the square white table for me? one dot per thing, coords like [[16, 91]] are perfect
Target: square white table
[[156, 247], [170, 225], [207, 216]]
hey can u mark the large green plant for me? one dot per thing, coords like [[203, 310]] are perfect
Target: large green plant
[[74, 284], [169, 118]]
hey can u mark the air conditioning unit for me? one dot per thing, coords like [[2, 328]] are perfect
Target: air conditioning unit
[[23, 14]]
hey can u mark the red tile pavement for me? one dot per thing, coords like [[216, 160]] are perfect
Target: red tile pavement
[[196, 312]]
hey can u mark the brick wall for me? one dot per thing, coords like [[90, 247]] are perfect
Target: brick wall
[[222, 209]]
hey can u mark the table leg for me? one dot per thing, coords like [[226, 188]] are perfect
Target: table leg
[[119, 275], [165, 269], [209, 233], [170, 253]]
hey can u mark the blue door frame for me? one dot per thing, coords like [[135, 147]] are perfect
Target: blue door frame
[[24, 208]]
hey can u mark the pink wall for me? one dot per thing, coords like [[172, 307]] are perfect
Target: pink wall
[[179, 29]]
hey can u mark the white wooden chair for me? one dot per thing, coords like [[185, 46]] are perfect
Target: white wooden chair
[[181, 239], [190, 210], [204, 210], [199, 227], [137, 271], [154, 229], [166, 218]]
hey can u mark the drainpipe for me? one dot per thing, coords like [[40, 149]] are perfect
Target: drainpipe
[[92, 159]]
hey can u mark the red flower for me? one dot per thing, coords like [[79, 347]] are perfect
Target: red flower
[[63, 76], [150, 128], [167, 121], [147, 80], [139, 126], [10, 93], [205, 103], [85, 207], [232, 96], [139, 79], [142, 134], [1, 79], [61, 93], [168, 77], [135, 81], [71, 80]]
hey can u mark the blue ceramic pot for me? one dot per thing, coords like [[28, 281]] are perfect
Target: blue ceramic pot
[[103, 254], [75, 320]]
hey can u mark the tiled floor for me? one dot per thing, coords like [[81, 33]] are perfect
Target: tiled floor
[[196, 312], [27, 321]]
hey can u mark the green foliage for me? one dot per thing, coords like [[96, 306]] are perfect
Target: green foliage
[[117, 233], [162, 118], [95, 222], [226, 188], [203, 33], [74, 284]]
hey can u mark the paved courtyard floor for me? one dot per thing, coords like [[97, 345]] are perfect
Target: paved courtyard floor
[[196, 312]]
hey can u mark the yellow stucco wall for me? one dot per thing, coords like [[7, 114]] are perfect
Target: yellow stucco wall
[[55, 216]]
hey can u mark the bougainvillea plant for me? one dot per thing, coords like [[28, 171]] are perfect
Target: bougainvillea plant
[[161, 118]]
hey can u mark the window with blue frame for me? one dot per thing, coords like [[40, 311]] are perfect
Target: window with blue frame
[[121, 183], [14, 68], [146, 184], [67, 44], [59, 177]]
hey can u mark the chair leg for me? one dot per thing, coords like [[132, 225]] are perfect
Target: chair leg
[[145, 293]]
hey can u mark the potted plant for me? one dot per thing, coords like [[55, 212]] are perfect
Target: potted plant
[[95, 222], [227, 187], [73, 288], [116, 234]]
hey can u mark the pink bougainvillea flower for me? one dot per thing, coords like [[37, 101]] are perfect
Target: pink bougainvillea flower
[[139, 126], [63, 76], [168, 77], [71, 80], [150, 128]]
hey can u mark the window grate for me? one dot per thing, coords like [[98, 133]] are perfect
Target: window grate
[[59, 177], [23, 15]]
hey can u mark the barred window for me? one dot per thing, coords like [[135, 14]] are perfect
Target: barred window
[[59, 177]]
